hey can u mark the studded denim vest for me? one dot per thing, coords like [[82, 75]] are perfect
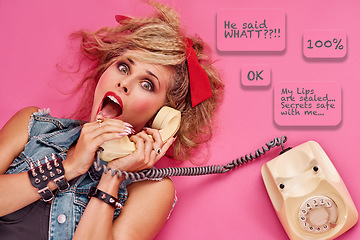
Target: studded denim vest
[[49, 135]]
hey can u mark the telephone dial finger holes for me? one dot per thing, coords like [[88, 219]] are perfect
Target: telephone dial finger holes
[[318, 214]]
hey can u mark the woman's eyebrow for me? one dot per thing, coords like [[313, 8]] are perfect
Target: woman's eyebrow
[[147, 71], [152, 74], [131, 61]]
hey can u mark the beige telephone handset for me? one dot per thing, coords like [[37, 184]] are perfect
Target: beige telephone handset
[[308, 194], [167, 121]]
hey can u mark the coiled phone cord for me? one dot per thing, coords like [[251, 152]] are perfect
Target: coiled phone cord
[[154, 173]]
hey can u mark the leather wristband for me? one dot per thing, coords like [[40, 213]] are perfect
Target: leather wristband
[[103, 196], [60, 181], [41, 175]]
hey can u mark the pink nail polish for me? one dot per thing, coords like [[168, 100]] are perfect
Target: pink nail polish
[[123, 134], [129, 130], [128, 125]]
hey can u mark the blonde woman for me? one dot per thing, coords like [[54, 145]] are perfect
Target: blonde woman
[[139, 66]]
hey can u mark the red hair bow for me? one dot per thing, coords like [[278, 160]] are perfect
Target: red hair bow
[[120, 18], [200, 89]]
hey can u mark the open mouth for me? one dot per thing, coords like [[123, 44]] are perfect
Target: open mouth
[[111, 106]]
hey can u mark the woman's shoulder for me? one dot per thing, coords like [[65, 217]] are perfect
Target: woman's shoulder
[[18, 126], [23, 118], [20, 120], [14, 135], [26, 112]]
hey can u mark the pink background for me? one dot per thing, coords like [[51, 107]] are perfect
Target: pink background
[[34, 38]]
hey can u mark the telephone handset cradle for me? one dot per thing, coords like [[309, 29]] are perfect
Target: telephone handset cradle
[[308, 194]]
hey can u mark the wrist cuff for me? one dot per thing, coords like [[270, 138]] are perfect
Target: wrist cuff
[[43, 173], [103, 196]]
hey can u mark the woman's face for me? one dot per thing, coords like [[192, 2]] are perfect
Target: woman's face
[[132, 91]]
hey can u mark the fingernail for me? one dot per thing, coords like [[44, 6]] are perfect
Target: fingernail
[[128, 125], [171, 140], [99, 116], [122, 134], [129, 130]]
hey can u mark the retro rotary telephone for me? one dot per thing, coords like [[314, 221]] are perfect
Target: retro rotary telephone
[[308, 194], [167, 121]]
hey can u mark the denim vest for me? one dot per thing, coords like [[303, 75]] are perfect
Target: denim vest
[[49, 135]]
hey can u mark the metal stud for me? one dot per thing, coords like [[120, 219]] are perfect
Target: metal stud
[[48, 165], [41, 170], [32, 167], [56, 164]]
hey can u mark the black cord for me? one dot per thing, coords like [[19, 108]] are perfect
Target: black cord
[[268, 146], [158, 174]]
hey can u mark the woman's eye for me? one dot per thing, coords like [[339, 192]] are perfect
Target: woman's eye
[[123, 68], [147, 85]]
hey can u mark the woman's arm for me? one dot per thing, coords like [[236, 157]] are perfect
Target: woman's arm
[[16, 189], [13, 137], [144, 214], [146, 210], [147, 207]]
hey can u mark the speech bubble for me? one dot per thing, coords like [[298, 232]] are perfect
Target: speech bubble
[[324, 44], [307, 104], [253, 75], [251, 30]]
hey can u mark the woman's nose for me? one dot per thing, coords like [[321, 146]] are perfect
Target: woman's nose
[[123, 87]]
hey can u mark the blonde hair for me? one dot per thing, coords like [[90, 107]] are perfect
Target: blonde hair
[[158, 40]]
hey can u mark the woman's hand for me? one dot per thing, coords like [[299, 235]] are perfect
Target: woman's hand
[[93, 134], [149, 149]]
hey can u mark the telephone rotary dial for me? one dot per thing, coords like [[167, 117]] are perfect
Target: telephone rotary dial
[[308, 194]]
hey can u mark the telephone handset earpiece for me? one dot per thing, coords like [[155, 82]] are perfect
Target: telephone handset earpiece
[[167, 121]]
